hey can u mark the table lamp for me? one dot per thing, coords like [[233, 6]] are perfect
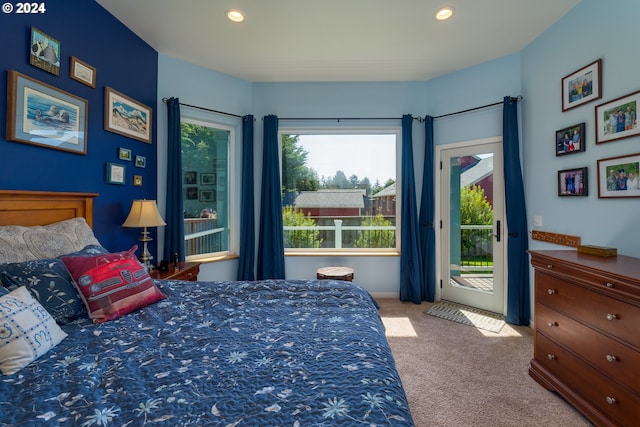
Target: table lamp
[[144, 213]]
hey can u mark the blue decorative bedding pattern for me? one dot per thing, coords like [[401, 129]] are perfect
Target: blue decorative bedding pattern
[[266, 353]]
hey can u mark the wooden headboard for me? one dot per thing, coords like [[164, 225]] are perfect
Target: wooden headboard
[[28, 208]]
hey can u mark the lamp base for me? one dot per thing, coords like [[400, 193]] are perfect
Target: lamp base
[[146, 257]]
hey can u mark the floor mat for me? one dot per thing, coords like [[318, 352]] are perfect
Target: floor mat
[[467, 315]]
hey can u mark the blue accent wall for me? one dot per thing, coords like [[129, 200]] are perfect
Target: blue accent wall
[[125, 63]]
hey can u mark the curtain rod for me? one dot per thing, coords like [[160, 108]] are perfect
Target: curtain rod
[[338, 119], [205, 109], [517, 98]]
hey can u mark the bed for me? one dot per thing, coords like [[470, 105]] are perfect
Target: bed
[[253, 353]]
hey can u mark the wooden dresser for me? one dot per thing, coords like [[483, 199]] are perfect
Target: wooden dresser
[[587, 333]]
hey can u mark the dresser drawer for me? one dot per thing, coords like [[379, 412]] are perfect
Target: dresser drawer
[[615, 360], [611, 315], [622, 406]]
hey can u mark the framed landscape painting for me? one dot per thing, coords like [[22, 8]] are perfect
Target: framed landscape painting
[[126, 116]]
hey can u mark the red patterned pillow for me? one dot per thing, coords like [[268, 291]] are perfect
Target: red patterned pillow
[[112, 284]]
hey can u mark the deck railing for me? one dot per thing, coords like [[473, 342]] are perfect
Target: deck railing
[[202, 236], [476, 248]]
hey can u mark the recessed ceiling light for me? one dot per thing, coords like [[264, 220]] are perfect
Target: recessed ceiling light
[[235, 15], [443, 13]]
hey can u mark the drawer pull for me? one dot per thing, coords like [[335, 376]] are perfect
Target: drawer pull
[[609, 285], [552, 324], [551, 356], [549, 266], [551, 291], [612, 316], [611, 358], [611, 400]]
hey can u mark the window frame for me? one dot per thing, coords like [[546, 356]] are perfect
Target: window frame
[[336, 129]]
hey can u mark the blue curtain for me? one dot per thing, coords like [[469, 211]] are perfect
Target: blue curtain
[[518, 300], [427, 215], [271, 244], [246, 263], [174, 231], [411, 288]]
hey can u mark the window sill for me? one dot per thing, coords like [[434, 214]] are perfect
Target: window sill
[[344, 253], [206, 259]]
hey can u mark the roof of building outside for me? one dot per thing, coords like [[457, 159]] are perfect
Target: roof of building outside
[[331, 199], [477, 172], [389, 191]]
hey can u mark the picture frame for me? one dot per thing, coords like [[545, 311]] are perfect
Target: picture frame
[[573, 182], [82, 72], [140, 161], [207, 179], [126, 116], [115, 173], [571, 140], [207, 195], [613, 171], [43, 115], [192, 193], [191, 177], [582, 86], [610, 125], [44, 52], [124, 154], [137, 180]]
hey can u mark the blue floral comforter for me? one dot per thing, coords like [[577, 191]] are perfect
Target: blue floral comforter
[[265, 353]]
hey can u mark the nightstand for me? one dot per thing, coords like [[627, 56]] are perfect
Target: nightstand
[[186, 271]]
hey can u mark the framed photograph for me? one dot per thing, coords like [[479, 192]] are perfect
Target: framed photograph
[[192, 193], [191, 177], [570, 140], [573, 182], [618, 176], [617, 119], [137, 180], [44, 52], [582, 86], [83, 72], [124, 154], [207, 195], [40, 114], [115, 173], [141, 162], [126, 116], [207, 179]]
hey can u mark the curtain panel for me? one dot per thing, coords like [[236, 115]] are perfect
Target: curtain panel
[[427, 215], [174, 231], [246, 262]]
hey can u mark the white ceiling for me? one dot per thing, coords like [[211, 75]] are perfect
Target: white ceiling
[[337, 40]]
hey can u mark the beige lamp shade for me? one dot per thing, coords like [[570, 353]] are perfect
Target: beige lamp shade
[[144, 213]]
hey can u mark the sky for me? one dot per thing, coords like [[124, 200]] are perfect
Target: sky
[[371, 156]]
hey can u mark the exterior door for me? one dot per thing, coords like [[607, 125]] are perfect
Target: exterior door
[[473, 230]]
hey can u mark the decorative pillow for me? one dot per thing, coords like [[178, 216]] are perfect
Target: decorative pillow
[[112, 285], [27, 331], [89, 250], [50, 283]]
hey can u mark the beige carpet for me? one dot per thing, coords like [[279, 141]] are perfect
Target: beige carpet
[[457, 375]]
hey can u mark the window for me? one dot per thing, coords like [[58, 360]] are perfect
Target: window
[[205, 160], [339, 190]]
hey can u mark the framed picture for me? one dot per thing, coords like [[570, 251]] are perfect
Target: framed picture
[[83, 72], [40, 114], [617, 119], [618, 176], [192, 193], [126, 116], [141, 162], [570, 140], [124, 154], [115, 173], [207, 195], [191, 177], [44, 52], [573, 182], [137, 180], [582, 86], [207, 179]]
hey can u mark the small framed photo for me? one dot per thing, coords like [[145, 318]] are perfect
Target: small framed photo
[[126, 116], [570, 140], [115, 173], [137, 180], [141, 162], [582, 86], [124, 154], [207, 195], [617, 119], [44, 52], [192, 193], [618, 176], [207, 179], [573, 182], [83, 72], [191, 177]]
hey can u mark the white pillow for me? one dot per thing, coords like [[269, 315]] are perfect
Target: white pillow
[[27, 331]]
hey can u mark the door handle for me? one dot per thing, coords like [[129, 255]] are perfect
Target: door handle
[[498, 231]]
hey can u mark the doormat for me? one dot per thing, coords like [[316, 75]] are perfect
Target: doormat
[[468, 316]]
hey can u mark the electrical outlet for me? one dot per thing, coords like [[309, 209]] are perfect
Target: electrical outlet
[[537, 220]]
